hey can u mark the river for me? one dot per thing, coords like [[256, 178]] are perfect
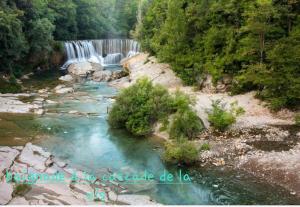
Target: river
[[85, 140]]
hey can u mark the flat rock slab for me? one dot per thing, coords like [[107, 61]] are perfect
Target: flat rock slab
[[6, 190], [34, 156], [7, 157]]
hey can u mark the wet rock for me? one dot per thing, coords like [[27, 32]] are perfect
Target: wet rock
[[6, 190], [104, 75], [81, 69], [66, 78]]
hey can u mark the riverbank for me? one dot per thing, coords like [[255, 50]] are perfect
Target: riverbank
[[31, 176], [261, 142], [76, 131]]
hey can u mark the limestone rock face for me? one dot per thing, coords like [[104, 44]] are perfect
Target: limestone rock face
[[81, 69]]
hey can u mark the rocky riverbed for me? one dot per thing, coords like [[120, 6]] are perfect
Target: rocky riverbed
[[32, 160], [261, 142]]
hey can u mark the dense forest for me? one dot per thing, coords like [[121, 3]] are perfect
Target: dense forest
[[30, 30], [257, 42]]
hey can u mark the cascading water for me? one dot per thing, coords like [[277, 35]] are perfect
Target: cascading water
[[104, 52]]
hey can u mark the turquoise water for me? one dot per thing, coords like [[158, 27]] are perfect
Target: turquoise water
[[86, 141]]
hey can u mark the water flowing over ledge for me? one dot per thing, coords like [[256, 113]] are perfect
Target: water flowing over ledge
[[104, 52]]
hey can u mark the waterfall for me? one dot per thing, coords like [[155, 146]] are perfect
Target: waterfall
[[104, 52]]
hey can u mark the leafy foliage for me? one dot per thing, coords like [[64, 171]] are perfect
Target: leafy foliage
[[138, 107], [205, 147], [244, 39], [29, 29], [182, 151], [185, 124], [220, 118]]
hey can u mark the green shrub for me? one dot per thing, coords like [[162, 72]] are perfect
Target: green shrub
[[205, 147], [297, 119], [10, 86], [181, 151], [21, 189], [220, 118], [138, 107], [186, 124]]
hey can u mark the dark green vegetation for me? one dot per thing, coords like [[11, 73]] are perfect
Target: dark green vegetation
[[205, 147], [140, 106], [297, 120], [180, 151], [30, 30], [21, 189], [221, 118], [143, 104], [255, 41]]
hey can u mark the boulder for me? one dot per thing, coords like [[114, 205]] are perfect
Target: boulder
[[104, 75], [66, 78], [81, 69]]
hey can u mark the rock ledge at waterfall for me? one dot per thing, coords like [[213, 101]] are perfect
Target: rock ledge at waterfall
[[33, 159]]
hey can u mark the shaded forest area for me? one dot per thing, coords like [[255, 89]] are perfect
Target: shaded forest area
[[257, 42], [31, 30]]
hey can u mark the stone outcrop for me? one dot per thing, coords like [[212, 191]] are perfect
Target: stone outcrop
[[80, 69], [107, 75], [144, 66], [33, 159], [83, 68], [104, 75], [10, 103]]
